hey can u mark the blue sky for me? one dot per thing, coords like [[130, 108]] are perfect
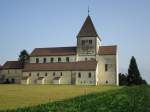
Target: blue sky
[[27, 24]]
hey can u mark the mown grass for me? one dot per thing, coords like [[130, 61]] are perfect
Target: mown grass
[[17, 96], [127, 99]]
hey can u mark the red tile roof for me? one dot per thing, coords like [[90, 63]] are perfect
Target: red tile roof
[[108, 50], [13, 65], [56, 51], [88, 29], [63, 66]]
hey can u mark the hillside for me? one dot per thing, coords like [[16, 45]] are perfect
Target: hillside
[[127, 99]]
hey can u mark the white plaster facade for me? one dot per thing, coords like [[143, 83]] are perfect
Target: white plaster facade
[[12, 75]]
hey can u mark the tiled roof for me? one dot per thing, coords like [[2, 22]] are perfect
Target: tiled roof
[[13, 65], [88, 29], [56, 51], [108, 50], [62, 66]]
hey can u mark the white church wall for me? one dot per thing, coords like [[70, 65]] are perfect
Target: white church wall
[[85, 79], [110, 76], [72, 58], [85, 58], [12, 74]]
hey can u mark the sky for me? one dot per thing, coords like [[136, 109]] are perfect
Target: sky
[[29, 24]]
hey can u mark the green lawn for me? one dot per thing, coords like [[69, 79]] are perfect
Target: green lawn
[[14, 96]]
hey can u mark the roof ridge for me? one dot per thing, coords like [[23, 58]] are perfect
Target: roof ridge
[[56, 47]]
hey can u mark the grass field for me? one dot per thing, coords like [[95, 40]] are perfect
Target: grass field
[[15, 96]]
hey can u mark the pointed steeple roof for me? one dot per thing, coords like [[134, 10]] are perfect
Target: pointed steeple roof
[[88, 29]]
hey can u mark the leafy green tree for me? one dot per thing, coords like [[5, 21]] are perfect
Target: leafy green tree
[[24, 56], [134, 77]]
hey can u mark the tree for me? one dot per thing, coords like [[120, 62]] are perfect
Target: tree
[[134, 77], [122, 79], [24, 56]]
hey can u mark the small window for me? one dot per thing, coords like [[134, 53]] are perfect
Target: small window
[[59, 59], [106, 81], [44, 60], [54, 74], [37, 74], [106, 67], [60, 73], [45, 74], [90, 41], [29, 74], [79, 75], [67, 59], [83, 42], [90, 74], [37, 60], [52, 59]]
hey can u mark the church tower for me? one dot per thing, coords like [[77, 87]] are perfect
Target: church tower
[[88, 41]]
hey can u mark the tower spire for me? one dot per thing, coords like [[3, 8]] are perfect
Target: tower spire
[[88, 10]]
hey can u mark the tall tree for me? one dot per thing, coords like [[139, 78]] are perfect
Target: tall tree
[[134, 77], [24, 56]]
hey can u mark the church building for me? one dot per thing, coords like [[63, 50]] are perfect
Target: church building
[[87, 63]]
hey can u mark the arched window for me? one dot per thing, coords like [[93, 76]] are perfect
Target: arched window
[[44, 60], [60, 73], [37, 60], [90, 41], [90, 74], [106, 81], [53, 73], [67, 59], [52, 59], [59, 59], [106, 67], [45, 74], [79, 75], [29, 74], [37, 74]]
